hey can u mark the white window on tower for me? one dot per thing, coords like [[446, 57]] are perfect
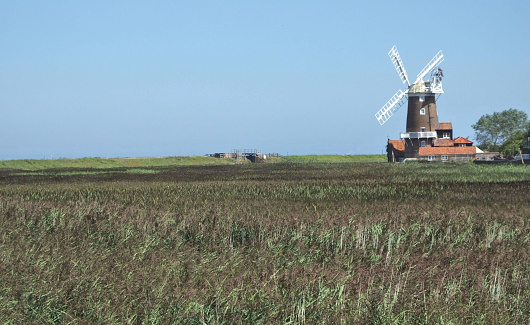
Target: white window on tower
[[422, 129], [422, 111], [423, 143], [422, 98]]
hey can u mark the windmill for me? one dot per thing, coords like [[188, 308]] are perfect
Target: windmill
[[422, 117]]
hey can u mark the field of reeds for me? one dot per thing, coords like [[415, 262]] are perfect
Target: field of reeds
[[282, 243]]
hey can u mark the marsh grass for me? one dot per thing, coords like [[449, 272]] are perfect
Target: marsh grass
[[287, 243]]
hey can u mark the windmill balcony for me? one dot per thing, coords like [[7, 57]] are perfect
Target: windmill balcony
[[418, 135]]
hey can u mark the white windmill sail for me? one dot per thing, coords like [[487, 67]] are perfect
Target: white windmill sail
[[438, 58], [390, 107], [400, 68], [399, 98]]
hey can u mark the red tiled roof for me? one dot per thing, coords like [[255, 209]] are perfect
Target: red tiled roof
[[462, 140], [397, 144], [445, 126], [435, 151], [443, 143]]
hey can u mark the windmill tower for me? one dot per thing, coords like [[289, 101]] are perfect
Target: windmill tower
[[422, 116]]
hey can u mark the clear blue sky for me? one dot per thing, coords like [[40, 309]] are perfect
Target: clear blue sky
[[176, 78]]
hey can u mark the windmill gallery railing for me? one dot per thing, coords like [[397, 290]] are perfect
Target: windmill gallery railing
[[418, 135]]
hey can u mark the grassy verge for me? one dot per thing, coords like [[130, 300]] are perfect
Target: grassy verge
[[38, 164], [336, 158], [105, 163]]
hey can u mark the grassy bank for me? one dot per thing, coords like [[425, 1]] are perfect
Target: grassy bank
[[104, 163], [336, 158], [38, 164]]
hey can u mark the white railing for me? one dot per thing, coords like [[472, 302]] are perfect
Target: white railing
[[426, 87], [418, 135]]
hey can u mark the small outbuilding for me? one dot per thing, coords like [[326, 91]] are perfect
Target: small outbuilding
[[395, 150]]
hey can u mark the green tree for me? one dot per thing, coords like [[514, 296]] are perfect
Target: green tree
[[512, 145], [526, 141], [493, 130]]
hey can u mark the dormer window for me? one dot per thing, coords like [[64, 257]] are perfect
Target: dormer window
[[422, 111], [446, 135]]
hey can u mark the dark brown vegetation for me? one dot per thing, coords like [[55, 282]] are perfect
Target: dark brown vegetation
[[273, 243]]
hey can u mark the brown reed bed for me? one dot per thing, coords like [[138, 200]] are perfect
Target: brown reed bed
[[286, 243]]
